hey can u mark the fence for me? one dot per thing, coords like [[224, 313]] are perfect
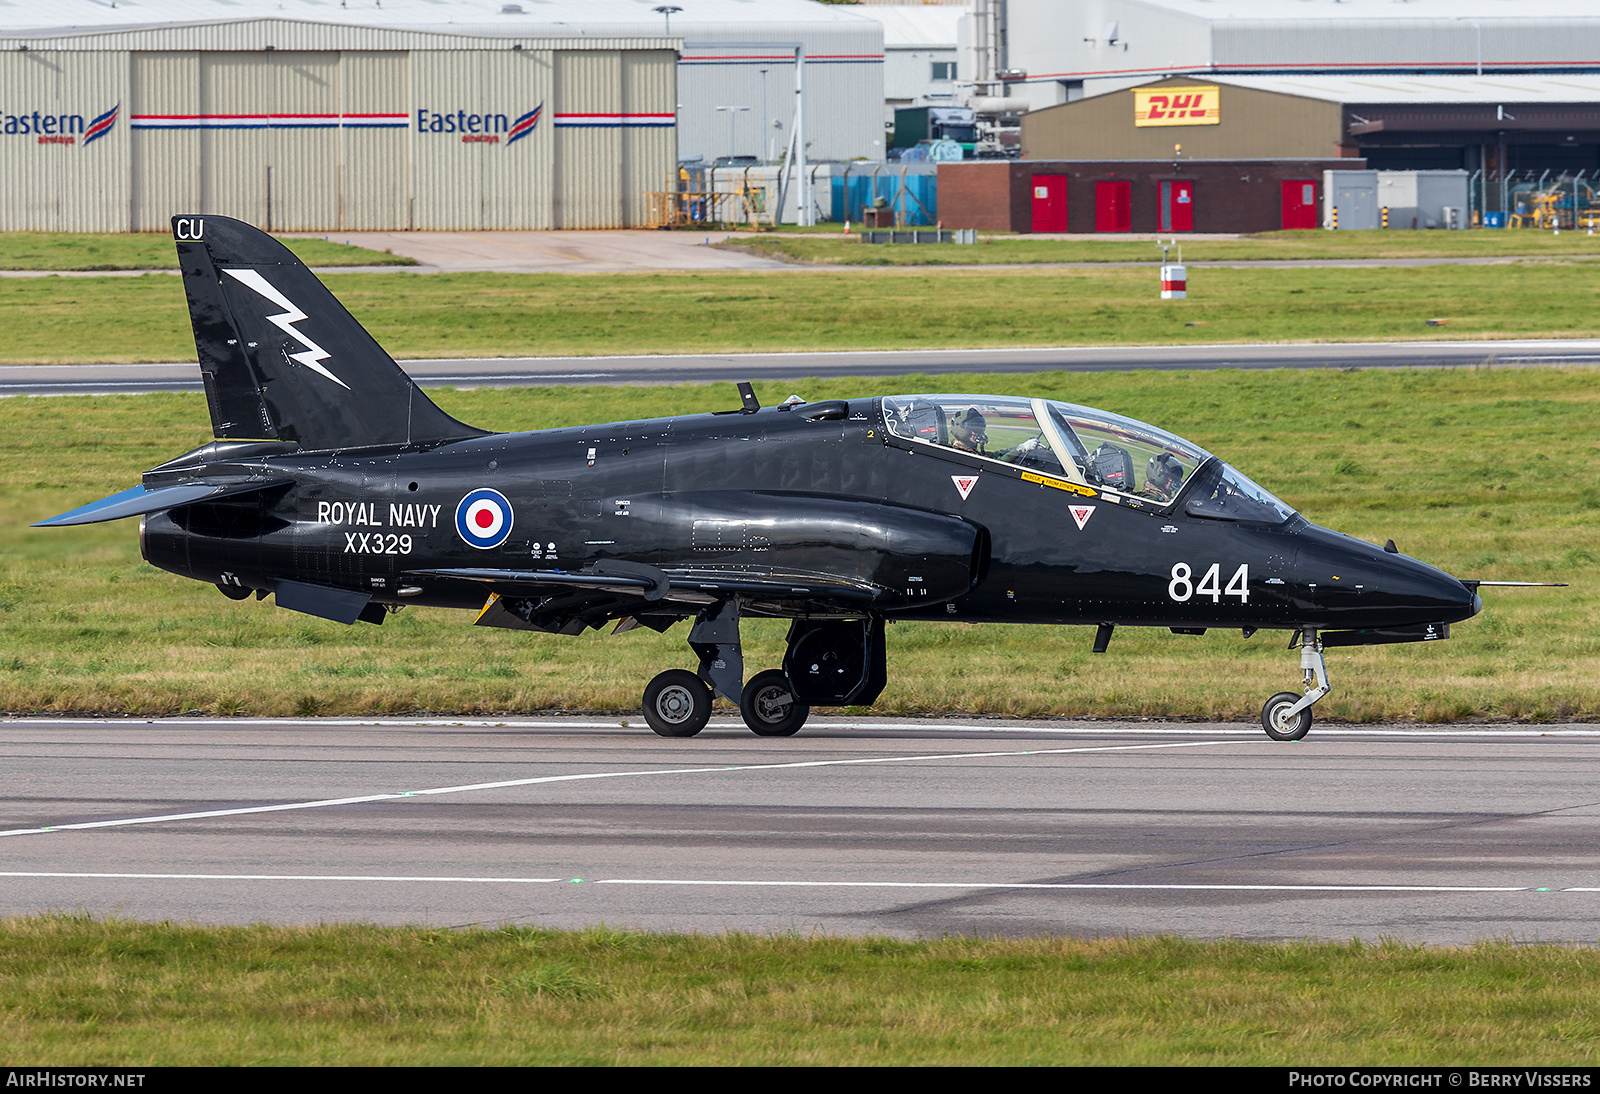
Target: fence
[[909, 191], [1542, 201], [760, 196]]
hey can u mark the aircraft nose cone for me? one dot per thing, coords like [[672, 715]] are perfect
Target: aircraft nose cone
[[1357, 584], [1458, 601], [1415, 589]]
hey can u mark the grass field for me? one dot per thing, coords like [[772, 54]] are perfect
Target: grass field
[[79, 992], [1488, 473], [491, 315], [66, 251], [834, 248], [75, 251]]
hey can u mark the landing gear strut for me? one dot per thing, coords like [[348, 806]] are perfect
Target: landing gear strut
[[1287, 716]]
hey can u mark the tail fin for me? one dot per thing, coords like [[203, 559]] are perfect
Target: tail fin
[[282, 359]]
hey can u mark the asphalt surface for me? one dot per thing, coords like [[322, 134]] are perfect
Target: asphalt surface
[[702, 368], [1439, 835]]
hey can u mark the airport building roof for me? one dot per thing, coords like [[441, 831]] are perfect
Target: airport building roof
[[1455, 90], [1296, 11], [1092, 47], [907, 27], [541, 18]]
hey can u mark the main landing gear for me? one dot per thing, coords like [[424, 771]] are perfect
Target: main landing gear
[[677, 703], [833, 662], [769, 707], [1287, 716]]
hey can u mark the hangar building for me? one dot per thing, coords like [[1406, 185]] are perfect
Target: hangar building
[[919, 46], [1071, 49], [1489, 126], [446, 114]]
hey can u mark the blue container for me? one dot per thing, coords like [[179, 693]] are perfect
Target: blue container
[[1494, 220], [854, 192]]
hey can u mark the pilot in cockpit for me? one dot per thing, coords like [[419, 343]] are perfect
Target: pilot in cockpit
[[969, 432], [1163, 477]]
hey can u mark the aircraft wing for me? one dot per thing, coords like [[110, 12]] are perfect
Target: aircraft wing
[[141, 500], [568, 601], [650, 584], [645, 586]]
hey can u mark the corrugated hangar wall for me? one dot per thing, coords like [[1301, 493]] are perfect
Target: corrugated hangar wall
[[328, 140], [54, 172], [843, 91]]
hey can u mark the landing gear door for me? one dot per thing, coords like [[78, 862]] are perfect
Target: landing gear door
[[836, 662]]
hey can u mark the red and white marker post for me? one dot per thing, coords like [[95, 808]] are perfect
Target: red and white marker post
[[1174, 277], [1174, 283]]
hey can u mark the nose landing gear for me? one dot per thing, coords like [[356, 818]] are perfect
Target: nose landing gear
[[1287, 716]]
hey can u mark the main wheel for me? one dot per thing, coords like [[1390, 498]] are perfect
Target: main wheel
[[1273, 718], [677, 703], [769, 706]]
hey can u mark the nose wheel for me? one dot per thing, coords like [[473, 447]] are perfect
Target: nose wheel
[[1280, 723], [1287, 716], [677, 703]]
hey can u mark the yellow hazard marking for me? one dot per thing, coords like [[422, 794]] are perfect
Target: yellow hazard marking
[[1060, 484], [487, 604]]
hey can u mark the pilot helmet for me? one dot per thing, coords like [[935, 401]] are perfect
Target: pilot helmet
[[970, 430], [1164, 472]]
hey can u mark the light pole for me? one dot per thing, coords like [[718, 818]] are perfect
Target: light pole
[[763, 129], [794, 172], [733, 113], [667, 10]]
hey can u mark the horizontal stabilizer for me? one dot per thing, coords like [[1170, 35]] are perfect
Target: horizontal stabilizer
[[140, 500]]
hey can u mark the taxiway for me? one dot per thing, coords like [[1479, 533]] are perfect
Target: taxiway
[[868, 826], [703, 368]]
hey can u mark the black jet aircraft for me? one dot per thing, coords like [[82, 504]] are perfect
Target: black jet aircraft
[[336, 485]]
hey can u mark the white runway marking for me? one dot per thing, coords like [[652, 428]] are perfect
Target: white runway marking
[[1122, 729], [506, 783], [720, 882]]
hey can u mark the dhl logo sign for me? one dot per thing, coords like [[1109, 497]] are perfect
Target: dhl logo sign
[[1177, 106]]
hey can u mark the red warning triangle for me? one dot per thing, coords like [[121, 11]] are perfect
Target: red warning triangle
[[965, 483], [1081, 514]]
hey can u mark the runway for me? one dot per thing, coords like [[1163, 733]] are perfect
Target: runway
[[705, 368], [914, 828]]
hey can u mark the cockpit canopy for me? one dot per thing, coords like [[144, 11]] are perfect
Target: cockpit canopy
[[1084, 445]]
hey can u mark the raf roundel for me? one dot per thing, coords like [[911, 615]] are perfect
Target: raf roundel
[[484, 518]]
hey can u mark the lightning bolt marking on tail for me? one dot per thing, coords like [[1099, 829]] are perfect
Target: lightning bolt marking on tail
[[313, 353]]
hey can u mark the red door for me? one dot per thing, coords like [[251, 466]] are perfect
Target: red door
[[1299, 203], [1113, 206], [1049, 203], [1177, 207]]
